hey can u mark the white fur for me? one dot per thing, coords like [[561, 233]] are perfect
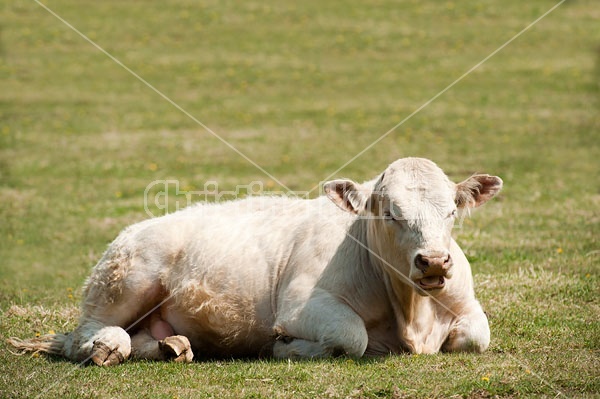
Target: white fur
[[292, 278]]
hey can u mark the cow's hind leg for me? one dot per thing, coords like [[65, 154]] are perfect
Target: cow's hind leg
[[95, 341], [109, 345], [117, 295], [91, 340], [122, 289], [156, 340]]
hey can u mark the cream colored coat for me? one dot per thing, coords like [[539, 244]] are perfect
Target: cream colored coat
[[366, 269]]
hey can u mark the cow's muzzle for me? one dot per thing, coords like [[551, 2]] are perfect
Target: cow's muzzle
[[434, 270]]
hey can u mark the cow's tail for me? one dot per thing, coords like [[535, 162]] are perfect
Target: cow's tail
[[52, 344]]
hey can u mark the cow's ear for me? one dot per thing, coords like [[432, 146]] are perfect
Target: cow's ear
[[346, 194], [477, 190]]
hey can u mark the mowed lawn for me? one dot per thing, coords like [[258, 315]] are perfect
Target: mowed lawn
[[300, 88]]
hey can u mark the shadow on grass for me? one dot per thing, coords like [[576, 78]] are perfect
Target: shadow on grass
[[247, 360]]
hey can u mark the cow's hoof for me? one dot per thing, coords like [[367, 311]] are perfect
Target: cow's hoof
[[177, 348], [103, 355]]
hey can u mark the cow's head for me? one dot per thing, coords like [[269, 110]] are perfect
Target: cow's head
[[410, 211]]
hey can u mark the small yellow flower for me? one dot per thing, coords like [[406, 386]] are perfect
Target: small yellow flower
[[69, 289], [51, 332], [588, 275], [559, 250], [152, 166], [70, 296], [118, 194], [485, 378], [37, 334], [528, 371]]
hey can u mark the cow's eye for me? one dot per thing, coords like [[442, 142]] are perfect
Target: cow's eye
[[453, 213]]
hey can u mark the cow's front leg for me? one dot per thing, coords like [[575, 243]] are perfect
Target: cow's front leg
[[469, 333], [322, 327]]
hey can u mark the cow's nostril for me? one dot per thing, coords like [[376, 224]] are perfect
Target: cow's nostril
[[421, 262]]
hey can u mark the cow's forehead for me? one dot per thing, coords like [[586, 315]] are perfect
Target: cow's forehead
[[416, 180]]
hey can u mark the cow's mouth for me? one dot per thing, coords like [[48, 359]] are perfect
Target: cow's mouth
[[432, 282]]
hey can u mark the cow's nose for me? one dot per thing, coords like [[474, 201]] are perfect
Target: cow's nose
[[433, 264]]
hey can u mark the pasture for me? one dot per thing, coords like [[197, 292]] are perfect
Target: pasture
[[300, 88]]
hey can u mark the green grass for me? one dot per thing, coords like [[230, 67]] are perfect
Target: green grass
[[300, 88]]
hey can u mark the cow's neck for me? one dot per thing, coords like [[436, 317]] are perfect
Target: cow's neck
[[359, 283], [377, 290], [407, 301], [414, 314]]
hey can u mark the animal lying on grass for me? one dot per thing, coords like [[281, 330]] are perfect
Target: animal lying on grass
[[367, 269]]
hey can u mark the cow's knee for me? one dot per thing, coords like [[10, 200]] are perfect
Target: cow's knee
[[325, 327], [290, 348], [346, 336], [296, 348], [469, 334], [347, 339]]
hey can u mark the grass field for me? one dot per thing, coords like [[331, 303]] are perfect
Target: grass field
[[300, 88]]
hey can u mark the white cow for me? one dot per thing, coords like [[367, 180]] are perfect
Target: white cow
[[368, 269]]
